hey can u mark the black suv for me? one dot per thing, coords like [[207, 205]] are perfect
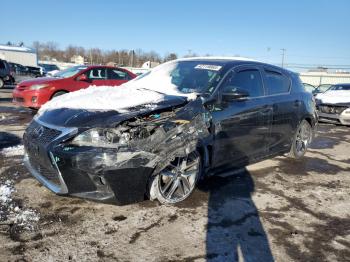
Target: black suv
[[5, 73], [158, 134]]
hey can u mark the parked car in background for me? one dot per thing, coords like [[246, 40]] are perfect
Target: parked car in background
[[49, 69], [36, 92], [321, 88], [19, 73], [333, 106], [158, 134], [5, 73], [35, 71], [309, 88]]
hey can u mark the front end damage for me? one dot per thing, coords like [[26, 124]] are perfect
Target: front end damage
[[119, 173]]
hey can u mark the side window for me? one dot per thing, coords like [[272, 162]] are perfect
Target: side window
[[2, 65], [96, 74], [115, 74], [276, 83], [248, 80]]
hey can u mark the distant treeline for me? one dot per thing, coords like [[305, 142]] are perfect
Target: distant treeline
[[51, 50]]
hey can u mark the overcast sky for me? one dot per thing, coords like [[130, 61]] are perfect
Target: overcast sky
[[312, 32]]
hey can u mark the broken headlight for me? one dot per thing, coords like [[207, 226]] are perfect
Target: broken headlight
[[102, 137]]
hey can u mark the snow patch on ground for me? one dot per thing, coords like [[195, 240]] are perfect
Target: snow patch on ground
[[13, 151], [24, 218], [5, 192]]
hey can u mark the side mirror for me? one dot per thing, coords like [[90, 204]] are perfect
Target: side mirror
[[83, 77], [238, 94]]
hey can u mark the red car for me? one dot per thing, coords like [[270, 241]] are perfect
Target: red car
[[36, 92]]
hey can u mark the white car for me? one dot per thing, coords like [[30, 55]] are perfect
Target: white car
[[333, 106]]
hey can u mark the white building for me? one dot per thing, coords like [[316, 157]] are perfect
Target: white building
[[19, 54], [77, 59]]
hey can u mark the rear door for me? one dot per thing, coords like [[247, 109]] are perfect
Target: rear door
[[117, 77], [242, 127], [286, 107]]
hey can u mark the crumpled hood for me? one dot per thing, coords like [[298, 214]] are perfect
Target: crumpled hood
[[334, 97], [82, 118]]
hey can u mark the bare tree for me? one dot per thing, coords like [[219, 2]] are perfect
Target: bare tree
[[136, 58]]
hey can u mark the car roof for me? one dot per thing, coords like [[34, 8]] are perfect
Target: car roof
[[234, 61], [95, 66]]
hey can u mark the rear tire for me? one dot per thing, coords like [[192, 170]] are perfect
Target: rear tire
[[176, 181], [301, 141]]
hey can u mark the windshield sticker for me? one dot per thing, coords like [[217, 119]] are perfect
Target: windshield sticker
[[209, 67]]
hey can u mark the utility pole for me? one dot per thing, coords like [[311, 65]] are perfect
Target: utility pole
[[283, 53]]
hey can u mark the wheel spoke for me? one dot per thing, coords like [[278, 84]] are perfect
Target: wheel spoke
[[168, 184], [173, 188], [194, 163], [185, 185], [189, 173]]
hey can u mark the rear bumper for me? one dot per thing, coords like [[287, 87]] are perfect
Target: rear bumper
[[334, 118]]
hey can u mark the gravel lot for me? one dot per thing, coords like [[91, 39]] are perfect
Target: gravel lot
[[276, 210]]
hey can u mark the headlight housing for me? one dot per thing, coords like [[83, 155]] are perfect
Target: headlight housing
[[102, 137], [37, 87]]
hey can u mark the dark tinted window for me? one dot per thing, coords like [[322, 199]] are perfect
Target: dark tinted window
[[276, 83], [96, 74], [117, 74], [248, 80], [2, 65], [340, 87]]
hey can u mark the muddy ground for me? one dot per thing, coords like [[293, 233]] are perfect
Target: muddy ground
[[277, 210]]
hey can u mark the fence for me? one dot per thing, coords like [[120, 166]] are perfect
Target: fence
[[324, 78]]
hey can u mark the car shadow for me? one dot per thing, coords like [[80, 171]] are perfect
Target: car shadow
[[8, 139], [234, 229]]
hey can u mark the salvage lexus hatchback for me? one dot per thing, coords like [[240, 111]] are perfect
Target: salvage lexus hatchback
[[157, 135]]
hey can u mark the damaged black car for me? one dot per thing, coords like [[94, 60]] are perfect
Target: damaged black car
[[157, 135]]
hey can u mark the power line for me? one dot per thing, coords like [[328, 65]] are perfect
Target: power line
[[283, 52]]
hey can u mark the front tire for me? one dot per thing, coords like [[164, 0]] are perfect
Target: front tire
[[301, 141], [59, 93], [176, 181]]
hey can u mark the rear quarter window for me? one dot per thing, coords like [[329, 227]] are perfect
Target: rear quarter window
[[276, 83]]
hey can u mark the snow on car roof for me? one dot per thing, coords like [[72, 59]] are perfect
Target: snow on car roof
[[235, 58]]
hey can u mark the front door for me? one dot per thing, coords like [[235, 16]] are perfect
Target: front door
[[97, 76], [242, 126]]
